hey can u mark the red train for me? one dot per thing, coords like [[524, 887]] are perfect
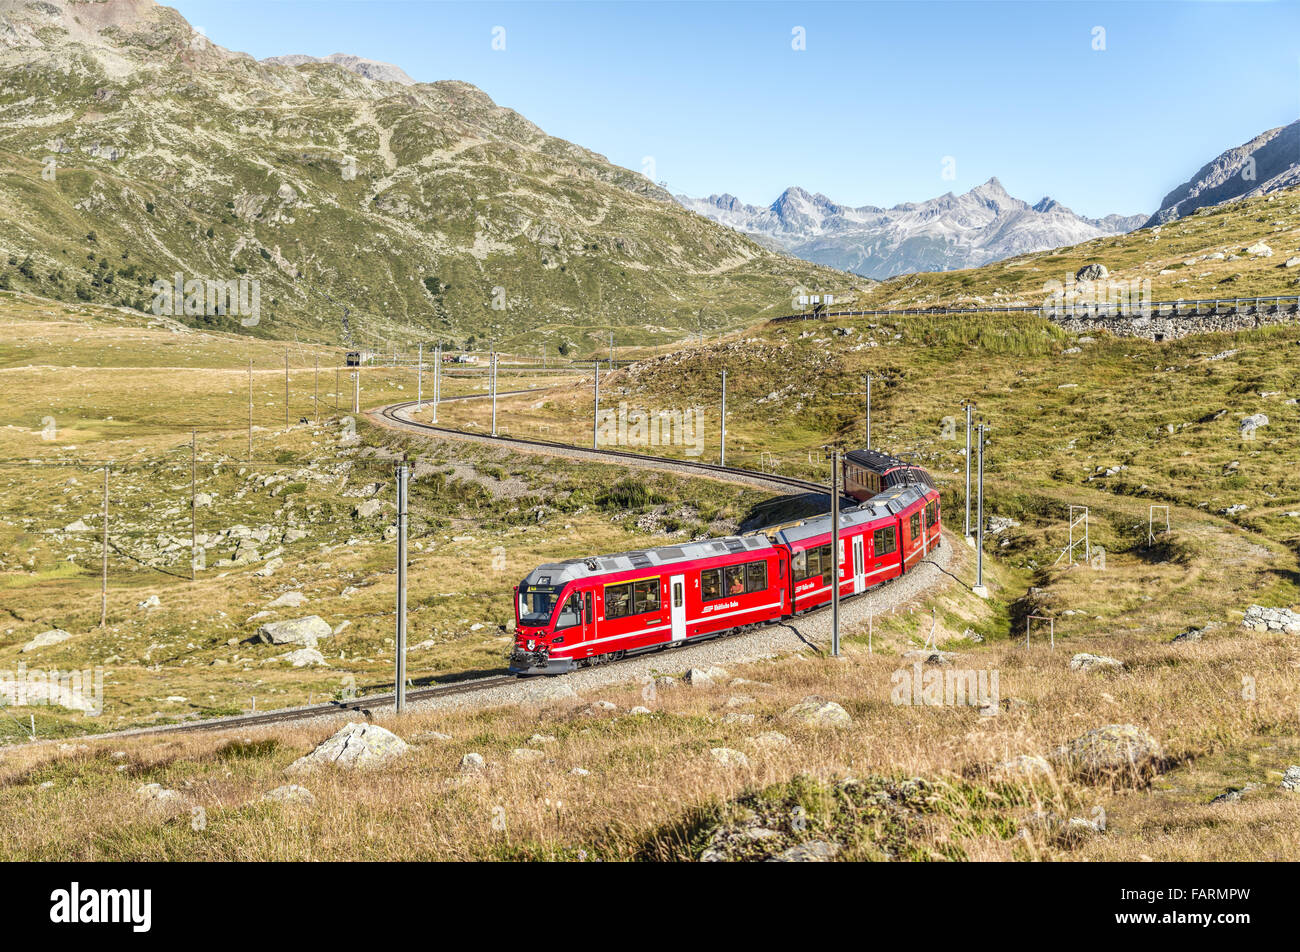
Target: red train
[[589, 611]]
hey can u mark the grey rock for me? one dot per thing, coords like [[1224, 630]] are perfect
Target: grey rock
[[1091, 662], [46, 638], [355, 747], [1092, 272], [819, 712], [290, 793], [814, 851], [297, 631]]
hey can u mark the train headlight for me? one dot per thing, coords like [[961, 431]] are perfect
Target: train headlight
[[532, 644]]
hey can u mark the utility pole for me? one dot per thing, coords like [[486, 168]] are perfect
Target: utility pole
[[286, 390], [494, 393], [250, 409], [337, 392], [611, 351], [419, 381], [868, 411], [437, 380], [969, 405], [723, 431], [103, 576], [400, 693], [979, 589], [835, 553], [315, 396], [595, 413], [356, 391], [194, 509]]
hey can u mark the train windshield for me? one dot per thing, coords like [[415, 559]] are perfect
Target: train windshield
[[537, 604]]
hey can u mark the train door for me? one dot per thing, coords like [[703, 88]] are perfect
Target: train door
[[677, 605], [859, 566]]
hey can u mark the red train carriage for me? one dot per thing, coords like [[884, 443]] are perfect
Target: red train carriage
[[602, 608], [879, 540], [587, 611], [867, 473]]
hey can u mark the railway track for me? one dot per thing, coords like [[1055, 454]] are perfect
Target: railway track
[[392, 417]]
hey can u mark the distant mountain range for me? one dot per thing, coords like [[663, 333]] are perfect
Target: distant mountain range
[[1266, 163], [942, 234]]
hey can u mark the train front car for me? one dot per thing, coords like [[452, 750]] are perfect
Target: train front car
[[546, 605], [868, 473]]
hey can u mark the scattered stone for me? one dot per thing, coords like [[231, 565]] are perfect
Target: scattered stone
[[47, 638], [736, 717], [1233, 794], [527, 755], [639, 710], [698, 678], [818, 712], [78, 526], [1291, 779], [1259, 618], [150, 602], [814, 851], [472, 762], [368, 509], [290, 793], [1090, 662], [304, 657], [771, 740], [728, 757], [1259, 250], [155, 794], [1091, 272], [1113, 750], [289, 600], [542, 739], [1253, 422], [940, 659], [356, 746], [579, 772], [1193, 633], [297, 631], [1026, 765]]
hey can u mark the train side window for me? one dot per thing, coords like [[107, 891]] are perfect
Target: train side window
[[735, 577], [645, 596], [828, 563], [756, 577], [814, 563], [799, 565], [884, 541], [571, 614], [914, 525], [591, 615], [618, 600], [710, 584]]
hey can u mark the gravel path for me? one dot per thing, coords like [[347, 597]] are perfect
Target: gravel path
[[806, 633]]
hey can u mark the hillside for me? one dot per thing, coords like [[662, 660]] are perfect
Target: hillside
[[1267, 163], [941, 234], [131, 148]]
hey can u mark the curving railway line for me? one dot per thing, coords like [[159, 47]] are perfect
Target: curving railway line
[[394, 416]]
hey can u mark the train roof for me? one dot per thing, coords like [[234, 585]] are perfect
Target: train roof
[[882, 505], [875, 461], [558, 573]]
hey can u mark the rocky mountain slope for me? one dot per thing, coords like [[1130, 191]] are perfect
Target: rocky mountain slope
[[1267, 163], [132, 148], [942, 234]]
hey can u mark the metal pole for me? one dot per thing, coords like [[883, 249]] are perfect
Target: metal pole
[[437, 380], [103, 578], [286, 390], [419, 381], [595, 413], [835, 553], [400, 693], [356, 391], [250, 409], [723, 437], [315, 396], [194, 531], [966, 534], [611, 351], [868, 411], [338, 394], [494, 393], [979, 514]]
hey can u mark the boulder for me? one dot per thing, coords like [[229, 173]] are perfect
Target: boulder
[[818, 712], [1233, 794], [1259, 250], [47, 638], [154, 794], [1291, 779], [1092, 272], [368, 509], [290, 793], [355, 747], [1112, 751], [728, 757], [1253, 422], [304, 657], [698, 678], [289, 600], [472, 762], [1091, 662], [150, 602], [296, 631]]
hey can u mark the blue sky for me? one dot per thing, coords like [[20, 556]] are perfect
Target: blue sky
[[718, 97]]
